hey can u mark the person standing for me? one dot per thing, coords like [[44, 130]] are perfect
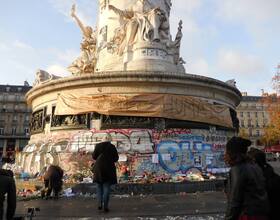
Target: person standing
[[246, 193], [53, 181], [272, 182], [105, 155], [7, 186]]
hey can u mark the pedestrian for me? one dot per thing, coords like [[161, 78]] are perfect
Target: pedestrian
[[53, 181], [272, 182], [104, 170], [246, 193], [277, 155], [7, 186]]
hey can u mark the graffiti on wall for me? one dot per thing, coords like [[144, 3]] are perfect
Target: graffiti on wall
[[126, 140], [169, 151]]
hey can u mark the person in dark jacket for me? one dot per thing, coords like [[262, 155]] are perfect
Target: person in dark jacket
[[104, 170], [272, 182], [247, 197], [7, 186], [53, 181]]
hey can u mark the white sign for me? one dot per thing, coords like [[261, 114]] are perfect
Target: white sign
[[155, 158], [122, 158]]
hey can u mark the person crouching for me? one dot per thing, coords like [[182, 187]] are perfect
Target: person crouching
[[53, 181]]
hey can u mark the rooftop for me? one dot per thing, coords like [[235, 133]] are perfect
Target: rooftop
[[15, 88]]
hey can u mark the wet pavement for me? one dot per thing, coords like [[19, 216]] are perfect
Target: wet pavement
[[197, 206]]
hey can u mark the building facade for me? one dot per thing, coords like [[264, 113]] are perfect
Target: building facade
[[14, 118], [253, 118]]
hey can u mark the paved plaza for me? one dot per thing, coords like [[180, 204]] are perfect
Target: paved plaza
[[207, 205]]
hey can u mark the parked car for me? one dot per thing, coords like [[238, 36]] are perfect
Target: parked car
[[270, 156]]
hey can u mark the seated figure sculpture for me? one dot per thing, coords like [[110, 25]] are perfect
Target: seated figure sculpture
[[151, 24]]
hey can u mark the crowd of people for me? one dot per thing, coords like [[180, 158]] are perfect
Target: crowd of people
[[252, 188]]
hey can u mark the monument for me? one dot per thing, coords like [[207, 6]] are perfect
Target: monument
[[130, 81]]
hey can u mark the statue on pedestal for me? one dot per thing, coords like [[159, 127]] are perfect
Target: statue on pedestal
[[176, 44], [86, 62]]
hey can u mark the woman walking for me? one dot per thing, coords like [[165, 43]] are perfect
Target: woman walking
[[105, 155], [247, 197]]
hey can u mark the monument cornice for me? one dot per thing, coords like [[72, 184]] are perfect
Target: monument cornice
[[121, 79]]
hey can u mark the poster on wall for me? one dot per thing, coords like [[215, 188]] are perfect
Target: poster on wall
[[155, 158], [209, 159], [197, 160]]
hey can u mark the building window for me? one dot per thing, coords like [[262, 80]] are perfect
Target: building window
[[1, 131], [257, 124], [14, 131], [263, 114], [256, 114], [242, 123], [249, 123], [26, 131], [8, 89], [250, 132], [15, 117], [17, 97], [265, 122], [26, 117], [241, 114], [248, 114], [5, 97], [257, 133]]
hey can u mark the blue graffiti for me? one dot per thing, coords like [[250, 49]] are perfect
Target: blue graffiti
[[181, 156], [174, 150]]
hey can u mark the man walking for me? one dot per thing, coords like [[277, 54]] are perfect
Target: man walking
[[7, 186]]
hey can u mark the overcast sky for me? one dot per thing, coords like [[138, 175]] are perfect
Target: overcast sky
[[223, 39]]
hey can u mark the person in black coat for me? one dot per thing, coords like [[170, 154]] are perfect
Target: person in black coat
[[7, 186], [246, 193], [104, 170], [53, 181], [272, 182]]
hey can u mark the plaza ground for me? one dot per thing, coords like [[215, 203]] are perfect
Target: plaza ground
[[189, 206], [178, 206]]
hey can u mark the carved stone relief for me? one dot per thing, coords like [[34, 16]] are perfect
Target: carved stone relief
[[153, 53], [102, 38], [123, 121], [68, 121], [37, 121]]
